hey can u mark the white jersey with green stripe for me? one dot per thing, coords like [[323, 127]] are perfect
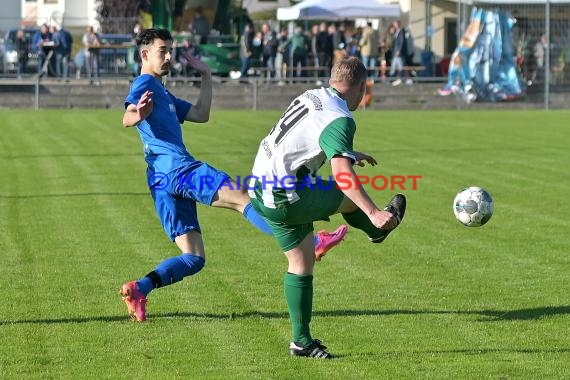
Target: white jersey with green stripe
[[316, 127]]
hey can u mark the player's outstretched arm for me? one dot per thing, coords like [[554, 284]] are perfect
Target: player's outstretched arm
[[356, 193], [134, 114], [200, 111]]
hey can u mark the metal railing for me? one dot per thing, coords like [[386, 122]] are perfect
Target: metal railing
[[543, 69]]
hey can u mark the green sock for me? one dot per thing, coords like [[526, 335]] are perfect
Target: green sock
[[299, 297], [358, 219]]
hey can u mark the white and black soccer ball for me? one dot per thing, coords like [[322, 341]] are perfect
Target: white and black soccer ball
[[473, 206]]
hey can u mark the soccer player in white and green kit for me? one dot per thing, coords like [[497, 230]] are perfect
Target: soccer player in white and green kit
[[285, 188]]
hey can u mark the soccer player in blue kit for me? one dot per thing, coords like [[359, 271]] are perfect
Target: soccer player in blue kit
[[175, 178]]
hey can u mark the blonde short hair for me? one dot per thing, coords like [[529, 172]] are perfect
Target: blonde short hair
[[349, 70]]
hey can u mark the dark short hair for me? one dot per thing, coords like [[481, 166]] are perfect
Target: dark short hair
[[147, 36]]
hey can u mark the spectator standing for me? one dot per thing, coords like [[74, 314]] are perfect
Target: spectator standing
[[386, 51], [258, 45], [314, 56], [136, 55], [339, 39], [269, 49], [387, 44], [352, 41], [200, 25], [63, 41], [246, 49], [22, 47], [282, 57], [42, 44], [408, 47], [397, 49], [325, 49], [92, 44], [369, 49], [51, 46], [408, 55], [539, 50], [338, 42], [299, 46]]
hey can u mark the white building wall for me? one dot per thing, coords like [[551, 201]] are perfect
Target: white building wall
[[10, 14], [73, 13], [80, 13], [46, 11], [440, 11]]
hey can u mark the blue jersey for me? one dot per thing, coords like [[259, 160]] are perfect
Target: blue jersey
[[161, 132]]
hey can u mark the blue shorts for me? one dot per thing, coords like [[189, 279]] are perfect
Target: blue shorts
[[175, 195]]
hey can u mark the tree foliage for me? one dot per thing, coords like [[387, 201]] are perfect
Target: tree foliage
[[119, 16], [121, 8]]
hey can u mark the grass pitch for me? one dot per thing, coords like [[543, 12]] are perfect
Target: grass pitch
[[436, 300]]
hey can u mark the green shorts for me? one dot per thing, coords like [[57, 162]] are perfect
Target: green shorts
[[292, 222]]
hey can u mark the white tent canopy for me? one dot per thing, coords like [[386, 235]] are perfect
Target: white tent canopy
[[519, 2], [338, 10]]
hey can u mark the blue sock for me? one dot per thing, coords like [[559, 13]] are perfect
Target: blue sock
[[171, 271], [257, 220], [144, 285]]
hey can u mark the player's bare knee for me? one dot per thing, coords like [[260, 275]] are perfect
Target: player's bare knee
[[191, 242]]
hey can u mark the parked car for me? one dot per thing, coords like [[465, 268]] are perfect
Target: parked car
[[9, 54], [220, 53]]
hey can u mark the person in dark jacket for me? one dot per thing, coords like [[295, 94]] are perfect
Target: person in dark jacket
[[63, 41], [22, 47], [269, 48], [42, 43], [299, 46]]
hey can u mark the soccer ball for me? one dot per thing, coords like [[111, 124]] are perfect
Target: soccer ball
[[473, 206]]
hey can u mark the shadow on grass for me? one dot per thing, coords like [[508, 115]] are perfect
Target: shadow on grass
[[32, 196], [493, 315], [468, 351], [65, 155], [489, 315]]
